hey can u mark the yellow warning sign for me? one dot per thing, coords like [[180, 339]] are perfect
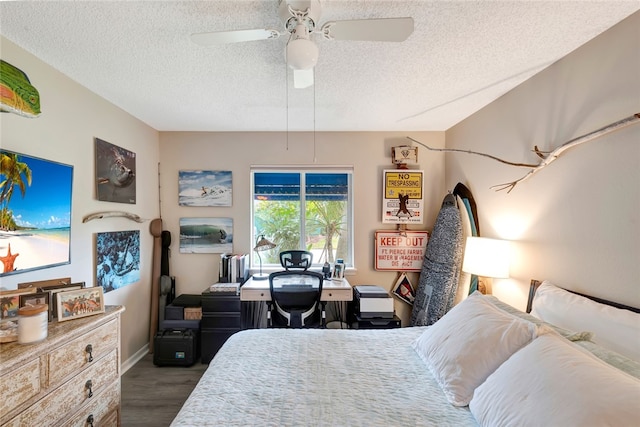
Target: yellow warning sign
[[402, 201], [407, 183]]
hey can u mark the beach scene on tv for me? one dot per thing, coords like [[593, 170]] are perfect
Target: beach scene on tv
[[35, 212]]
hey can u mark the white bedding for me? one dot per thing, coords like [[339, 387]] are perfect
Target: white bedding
[[368, 378], [285, 377]]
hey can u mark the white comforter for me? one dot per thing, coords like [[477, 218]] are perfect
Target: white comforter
[[275, 377]]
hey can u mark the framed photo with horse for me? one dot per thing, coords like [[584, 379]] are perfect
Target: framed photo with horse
[[79, 303]]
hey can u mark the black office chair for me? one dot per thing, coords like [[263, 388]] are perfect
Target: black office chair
[[295, 300], [296, 259]]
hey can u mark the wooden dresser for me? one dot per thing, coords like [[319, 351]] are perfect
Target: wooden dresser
[[72, 378]]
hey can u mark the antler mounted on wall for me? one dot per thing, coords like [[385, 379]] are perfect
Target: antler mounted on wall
[[547, 158]]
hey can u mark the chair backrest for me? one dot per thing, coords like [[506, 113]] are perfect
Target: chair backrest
[[296, 259], [296, 296]]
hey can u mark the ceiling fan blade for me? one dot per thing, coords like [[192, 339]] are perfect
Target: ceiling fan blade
[[302, 78], [383, 29], [222, 37]]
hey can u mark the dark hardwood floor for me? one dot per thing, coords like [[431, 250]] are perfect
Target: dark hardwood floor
[[152, 395]]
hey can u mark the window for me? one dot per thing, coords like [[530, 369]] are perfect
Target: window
[[307, 209]]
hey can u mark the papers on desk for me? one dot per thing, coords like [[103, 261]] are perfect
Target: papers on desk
[[225, 287], [296, 280]]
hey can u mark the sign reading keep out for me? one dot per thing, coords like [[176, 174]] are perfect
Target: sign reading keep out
[[400, 250]]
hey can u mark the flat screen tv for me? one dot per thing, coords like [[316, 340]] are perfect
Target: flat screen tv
[[35, 213]]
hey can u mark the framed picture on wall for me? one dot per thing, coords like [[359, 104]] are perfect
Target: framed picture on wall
[[204, 188], [206, 235], [35, 213], [403, 196], [117, 259], [115, 173]]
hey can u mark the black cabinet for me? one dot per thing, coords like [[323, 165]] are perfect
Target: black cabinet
[[220, 319]]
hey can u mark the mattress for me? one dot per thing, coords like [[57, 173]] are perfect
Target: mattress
[[329, 377], [280, 377]]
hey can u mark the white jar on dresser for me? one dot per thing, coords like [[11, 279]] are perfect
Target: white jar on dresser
[[72, 378]]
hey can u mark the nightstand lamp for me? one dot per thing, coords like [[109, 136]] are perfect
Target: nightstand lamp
[[486, 258], [262, 244]]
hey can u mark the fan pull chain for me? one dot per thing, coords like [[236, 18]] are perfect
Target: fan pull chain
[[314, 115], [286, 83]]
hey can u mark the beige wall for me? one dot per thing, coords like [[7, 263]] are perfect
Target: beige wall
[[71, 117], [367, 152], [576, 222]]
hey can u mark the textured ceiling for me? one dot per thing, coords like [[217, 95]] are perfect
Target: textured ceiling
[[461, 56]]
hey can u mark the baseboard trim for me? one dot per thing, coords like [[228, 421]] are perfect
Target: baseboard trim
[[128, 364]]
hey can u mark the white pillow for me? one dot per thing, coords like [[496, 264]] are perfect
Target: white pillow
[[469, 343], [552, 382], [613, 328]]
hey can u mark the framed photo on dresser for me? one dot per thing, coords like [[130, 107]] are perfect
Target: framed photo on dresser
[[79, 303], [37, 298]]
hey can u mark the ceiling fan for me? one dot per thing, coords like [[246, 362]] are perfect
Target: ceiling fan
[[300, 18]]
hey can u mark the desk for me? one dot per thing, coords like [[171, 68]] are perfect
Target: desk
[[258, 290]]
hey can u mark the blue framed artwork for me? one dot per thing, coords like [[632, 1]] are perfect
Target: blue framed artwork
[[117, 259], [35, 213]]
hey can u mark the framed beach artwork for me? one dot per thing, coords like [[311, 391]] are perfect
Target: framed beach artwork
[[204, 188], [10, 302], [81, 303], [206, 235], [115, 173], [35, 213], [117, 259]]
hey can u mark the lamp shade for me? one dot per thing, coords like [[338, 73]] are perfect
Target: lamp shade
[[486, 257], [263, 244]]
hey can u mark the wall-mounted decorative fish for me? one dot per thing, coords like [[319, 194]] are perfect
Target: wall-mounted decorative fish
[[17, 95]]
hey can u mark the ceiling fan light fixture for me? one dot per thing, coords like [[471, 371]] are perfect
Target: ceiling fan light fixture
[[302, 54]]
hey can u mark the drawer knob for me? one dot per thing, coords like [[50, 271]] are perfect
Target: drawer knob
[[90, 420], [89, 349], [89, 385]]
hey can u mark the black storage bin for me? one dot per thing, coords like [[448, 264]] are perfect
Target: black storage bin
[[187, 300], [193, 325], [376, 323], [174, 347], [173, 312]]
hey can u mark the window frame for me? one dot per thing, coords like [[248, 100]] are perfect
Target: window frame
[[303, 170]]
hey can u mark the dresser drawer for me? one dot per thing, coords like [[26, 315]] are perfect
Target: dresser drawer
[[19, 386], [221, 320], [103, 411], [218, 303], [67, 398], [81, 352]]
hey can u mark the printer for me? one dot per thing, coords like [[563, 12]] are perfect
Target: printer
[[372, 302]]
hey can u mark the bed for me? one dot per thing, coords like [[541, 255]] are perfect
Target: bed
[[484, 363]]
